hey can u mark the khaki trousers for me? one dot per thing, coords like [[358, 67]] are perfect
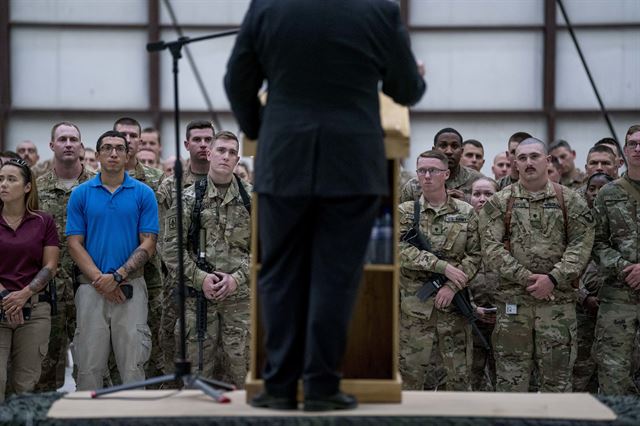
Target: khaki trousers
[[102, 325], [26, 346]]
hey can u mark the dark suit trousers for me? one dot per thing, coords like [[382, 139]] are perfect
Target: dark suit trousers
[[312, 251]]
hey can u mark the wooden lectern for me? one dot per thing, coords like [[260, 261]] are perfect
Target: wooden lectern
[[370, 366]]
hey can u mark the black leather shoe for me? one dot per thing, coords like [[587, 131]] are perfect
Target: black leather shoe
[[265, 400], [339, 401]]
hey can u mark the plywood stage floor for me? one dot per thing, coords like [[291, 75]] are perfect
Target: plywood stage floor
[[192, 403]]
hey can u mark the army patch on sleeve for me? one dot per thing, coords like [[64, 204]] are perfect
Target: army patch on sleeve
[[171, 223]]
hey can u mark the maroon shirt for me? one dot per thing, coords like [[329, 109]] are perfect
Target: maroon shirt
[[21, 250]]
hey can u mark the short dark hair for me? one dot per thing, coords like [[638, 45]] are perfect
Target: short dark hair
[[597, 175], [519, 137], [152, 130], [128, 121], [111, 134], [633, 129], [225, 134], [446, 130], [64, 123], [609, 141], [199, 124], [434, 154], [9, 155], [601, 148], [560, 143], [473, 142]]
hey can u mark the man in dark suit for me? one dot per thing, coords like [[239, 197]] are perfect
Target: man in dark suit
[[320, 171]]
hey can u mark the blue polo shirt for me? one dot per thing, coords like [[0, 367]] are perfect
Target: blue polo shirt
[[110, 223]]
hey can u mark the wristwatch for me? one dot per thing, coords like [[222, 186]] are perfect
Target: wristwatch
[[117, 277]]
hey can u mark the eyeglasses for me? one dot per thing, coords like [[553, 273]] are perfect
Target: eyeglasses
[[106, 149], [433, 171], [632, 144]]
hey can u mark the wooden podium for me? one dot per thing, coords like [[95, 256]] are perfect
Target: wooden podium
[[370, 366]]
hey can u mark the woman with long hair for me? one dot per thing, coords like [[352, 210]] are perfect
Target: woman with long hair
[[29, 247]]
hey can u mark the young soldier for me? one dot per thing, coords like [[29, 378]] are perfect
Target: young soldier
[[571, 176], [472, 154], [584, 370], [538, 237], [199, 137], [451, 228], [216, 268], [513, 143], [54, 190], [616, 251], [449, 142]]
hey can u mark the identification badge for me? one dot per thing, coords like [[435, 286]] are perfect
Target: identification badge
[[511, 309]]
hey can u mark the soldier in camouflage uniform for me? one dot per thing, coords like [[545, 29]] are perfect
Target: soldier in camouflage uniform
[[513, 143], [449, 142], [600, 159], [152, 269], [571, 176], [54, 190], [584, 370], [538, 256], [225, 220], [451, 226], [617, 250], [483, 288], [199, 137]]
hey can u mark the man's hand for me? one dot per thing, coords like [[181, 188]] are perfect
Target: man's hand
[[104, 284], [444, 297], [633, 276], [540, 287], [225, 287], [487, 317], [208, 285], [591, 305], [457, 277], [456, 193], [116, 296]]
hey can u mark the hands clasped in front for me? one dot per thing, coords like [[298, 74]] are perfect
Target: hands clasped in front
[[107, 286], [458, 279], [13, 303], [219, 286]]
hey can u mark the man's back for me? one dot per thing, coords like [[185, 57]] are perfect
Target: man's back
[[323, 61]]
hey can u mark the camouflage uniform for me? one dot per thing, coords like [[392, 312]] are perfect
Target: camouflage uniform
[[616, 247], [462, 181], [152, 276], [53, 198], [41, 168], [575, 181], [226, 222], [505, 181], [539, 332], [453, 231], [584, 370], [169, 315], [483, 288]]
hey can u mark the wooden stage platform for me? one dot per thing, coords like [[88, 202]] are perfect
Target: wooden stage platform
[[193, 404]]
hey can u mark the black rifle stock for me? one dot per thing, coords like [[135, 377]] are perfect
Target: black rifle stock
[[436, 281]]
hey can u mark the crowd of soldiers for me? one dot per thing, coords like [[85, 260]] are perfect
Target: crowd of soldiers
[[546, 255]]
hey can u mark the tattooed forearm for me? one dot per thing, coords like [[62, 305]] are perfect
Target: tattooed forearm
[[40, 280], [136, 261]]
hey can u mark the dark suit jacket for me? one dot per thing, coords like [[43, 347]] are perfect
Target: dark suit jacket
[[319, 133]]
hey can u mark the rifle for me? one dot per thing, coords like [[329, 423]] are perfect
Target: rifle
[[436, 281], [201, 301], [53, 296]]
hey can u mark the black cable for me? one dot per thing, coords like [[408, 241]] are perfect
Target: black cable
[[194, 68], [593, 83]]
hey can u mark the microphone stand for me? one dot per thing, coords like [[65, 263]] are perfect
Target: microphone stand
[[182, 372]]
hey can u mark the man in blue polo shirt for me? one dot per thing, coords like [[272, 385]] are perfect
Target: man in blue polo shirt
[[112, 228]]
